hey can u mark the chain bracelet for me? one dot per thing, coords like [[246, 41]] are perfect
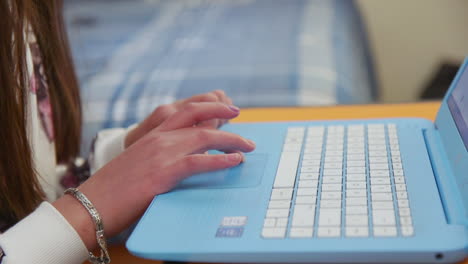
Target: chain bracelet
[[99, 225]]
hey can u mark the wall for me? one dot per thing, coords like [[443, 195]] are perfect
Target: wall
[[410, 37]]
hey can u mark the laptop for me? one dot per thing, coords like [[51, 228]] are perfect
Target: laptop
[[387, 190]]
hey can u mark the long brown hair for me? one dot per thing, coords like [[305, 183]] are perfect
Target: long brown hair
[[20, 191]]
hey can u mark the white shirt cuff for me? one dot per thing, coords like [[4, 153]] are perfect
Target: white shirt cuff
[[108, 144], [44, 236]]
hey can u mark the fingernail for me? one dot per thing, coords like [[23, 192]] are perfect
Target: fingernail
[[234, 157], [251, 142], [234, 108]]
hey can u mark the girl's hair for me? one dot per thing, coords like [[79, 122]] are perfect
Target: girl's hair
[[20, 191]]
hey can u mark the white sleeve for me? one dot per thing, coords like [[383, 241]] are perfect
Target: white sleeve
[[107, 145], [44, 236]]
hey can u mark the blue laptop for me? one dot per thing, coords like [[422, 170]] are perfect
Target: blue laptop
[[388, 190]]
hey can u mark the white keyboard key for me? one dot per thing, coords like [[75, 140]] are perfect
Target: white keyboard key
[[378, 166], [312, 169], [356, 177], [400, 187], [378, 205], [383, 218], [356, 157], [298, 129], [308, 183], [356, 170], [357, 231], [356, 210], [404, 212], [402, 195], [311, 163], [269, 222], [335, 147], [330, 217], [306, 191], [272, 213], [379, 173], [332, 172], [407, 231], [387, 231], [281, 222], [331, 196], [406, 221], [398, 173], [378, 147], [357, 220], [396, 153], [397, 166], [279, 204], [355, 151], [356, 163], [356, 185], [382, 197], [380, 181], [281, 194], [303, 216], [399, 179], [352, 201], [334, 165], [378, 153], [381, 188], [334, 153], [290, 147], [309, 176], [376, 142], [334, 159], [313, 151], [378, 160], [298, 232], [332, 179], [329, 187], [356, 193], [287, 168], [274, 232], [396, 159], [403, 203], [356, 127], [329, 232], [312, 157], [330, 204], [312, 199]]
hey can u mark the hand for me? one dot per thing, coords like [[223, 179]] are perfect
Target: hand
[[155, 164], [161, 113]]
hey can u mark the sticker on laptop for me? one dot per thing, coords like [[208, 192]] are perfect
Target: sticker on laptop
[[234, 221], [231, 226], [229, 232]]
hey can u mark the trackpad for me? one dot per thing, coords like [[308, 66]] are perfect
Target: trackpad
[[247, 174]]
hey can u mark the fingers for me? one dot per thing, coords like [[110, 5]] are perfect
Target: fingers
[[202, 140], [199, 163], [195, 113]]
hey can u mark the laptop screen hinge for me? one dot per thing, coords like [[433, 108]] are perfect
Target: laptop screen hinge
[[446, 185]]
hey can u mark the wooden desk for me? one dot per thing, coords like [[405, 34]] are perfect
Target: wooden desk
[[425, 110]]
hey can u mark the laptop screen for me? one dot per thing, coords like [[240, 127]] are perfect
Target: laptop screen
[[458, 105]]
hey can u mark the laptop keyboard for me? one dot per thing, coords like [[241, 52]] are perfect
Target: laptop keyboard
[[339, 181]]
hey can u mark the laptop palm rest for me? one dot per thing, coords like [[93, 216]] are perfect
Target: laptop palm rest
[[247, 174]]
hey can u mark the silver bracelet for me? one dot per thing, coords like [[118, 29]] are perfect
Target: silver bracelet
[[99, 225]]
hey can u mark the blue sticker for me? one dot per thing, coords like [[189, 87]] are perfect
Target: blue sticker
[[230, 232]]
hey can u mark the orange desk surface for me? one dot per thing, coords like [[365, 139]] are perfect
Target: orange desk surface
[[427, 110]]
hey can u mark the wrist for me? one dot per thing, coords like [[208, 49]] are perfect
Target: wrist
[[78, 218]]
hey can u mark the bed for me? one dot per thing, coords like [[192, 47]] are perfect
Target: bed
[[132, 55]]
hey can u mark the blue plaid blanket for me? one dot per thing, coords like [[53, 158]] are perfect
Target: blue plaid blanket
[[132, 55]]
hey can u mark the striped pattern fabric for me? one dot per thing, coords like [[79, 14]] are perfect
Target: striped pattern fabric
[[132, 55]]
